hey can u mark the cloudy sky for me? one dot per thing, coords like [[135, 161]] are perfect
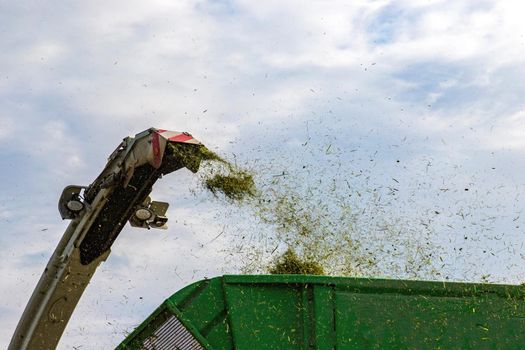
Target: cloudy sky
[[421, 99]]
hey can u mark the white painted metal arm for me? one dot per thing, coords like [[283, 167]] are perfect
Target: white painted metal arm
[[98, 215]]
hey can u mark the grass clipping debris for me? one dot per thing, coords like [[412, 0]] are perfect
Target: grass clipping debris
[[219, 176], [290, 263], [235, 186], [191, 156], [309, 226], [305, 249]]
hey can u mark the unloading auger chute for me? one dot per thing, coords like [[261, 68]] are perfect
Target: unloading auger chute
[[98, 213]]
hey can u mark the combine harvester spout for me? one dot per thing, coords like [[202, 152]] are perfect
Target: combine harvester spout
[[98, 213]]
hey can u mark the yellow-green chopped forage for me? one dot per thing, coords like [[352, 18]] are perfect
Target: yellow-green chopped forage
[[236, 185], [332, 230], [192, 155], [233, 183], [296, 223], [290, 263]]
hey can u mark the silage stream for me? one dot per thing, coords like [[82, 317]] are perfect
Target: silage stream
[[313, 227]]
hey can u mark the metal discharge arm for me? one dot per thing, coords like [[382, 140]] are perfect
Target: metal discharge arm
[[98, 213]]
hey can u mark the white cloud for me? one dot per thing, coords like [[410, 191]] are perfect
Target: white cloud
[[45, 51], [508, 133], [7, 127]]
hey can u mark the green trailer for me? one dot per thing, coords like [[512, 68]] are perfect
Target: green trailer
[[319, 312]]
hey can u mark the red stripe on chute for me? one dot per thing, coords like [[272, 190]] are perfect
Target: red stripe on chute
[[157, 157], [180, 138]]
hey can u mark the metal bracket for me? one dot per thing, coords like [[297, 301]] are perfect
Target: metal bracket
[[150, 214]]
